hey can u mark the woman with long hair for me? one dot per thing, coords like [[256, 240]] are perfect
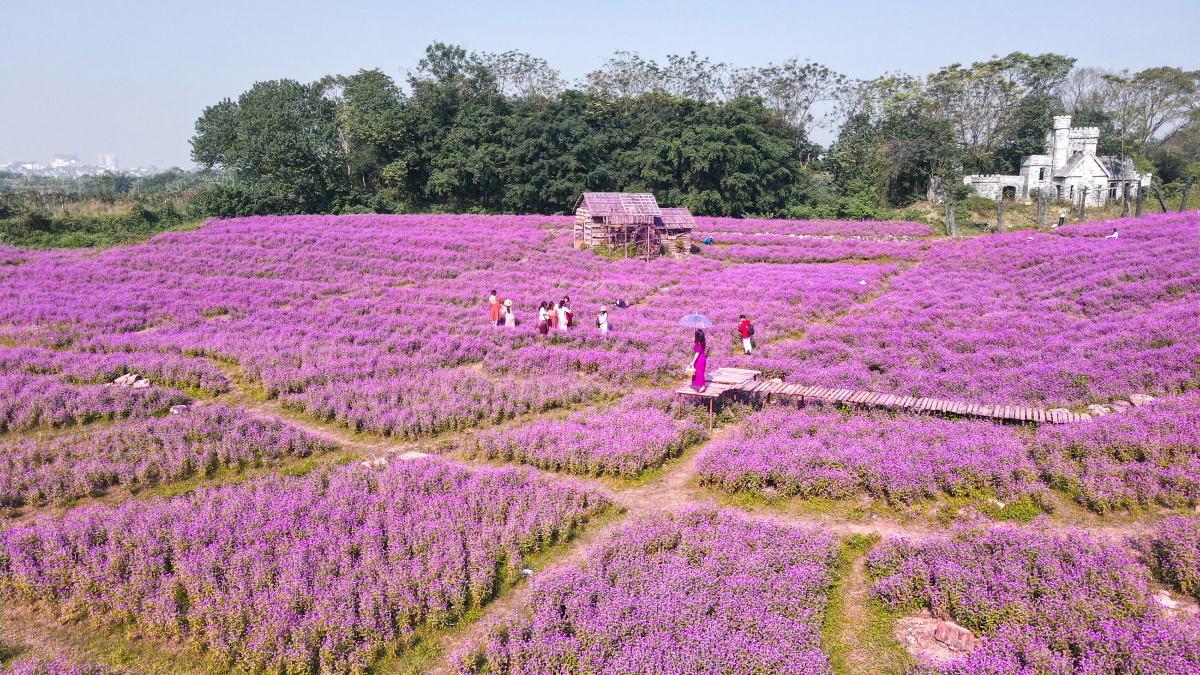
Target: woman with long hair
[[697, 365], [543, 319], [552, 314]]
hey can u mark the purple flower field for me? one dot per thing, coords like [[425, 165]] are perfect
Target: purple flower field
[[622, 441], [827, 454], [1150, 455], [699, 591], [378, 324], [144, 452], [1024, 318], [1173, 552], [28, 402], [1044, 603], [323, 573]]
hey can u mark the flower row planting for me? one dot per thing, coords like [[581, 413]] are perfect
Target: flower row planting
[[31, 401], [622, 441], [700, 591], [1013, 318], [1149, 456], [315, 574], [172, 370], [144, 452], [814, 453], [1146, 456], [1173, 552], [1046, 603], [424, 403]]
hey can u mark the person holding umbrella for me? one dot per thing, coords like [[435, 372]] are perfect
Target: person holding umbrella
[[698, 363], [699, 357]]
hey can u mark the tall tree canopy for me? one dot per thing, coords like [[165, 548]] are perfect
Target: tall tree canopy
[[505, 133]]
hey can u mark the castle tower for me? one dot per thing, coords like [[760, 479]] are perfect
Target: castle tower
[[1060, 142]]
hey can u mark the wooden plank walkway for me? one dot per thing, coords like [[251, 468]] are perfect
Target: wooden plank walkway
[[725, 380]]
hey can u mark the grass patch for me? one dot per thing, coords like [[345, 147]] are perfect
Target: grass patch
[[857, 632]]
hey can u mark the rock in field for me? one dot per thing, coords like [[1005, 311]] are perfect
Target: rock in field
[[1140, 400]]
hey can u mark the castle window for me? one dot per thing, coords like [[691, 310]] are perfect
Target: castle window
[[1042, 173]]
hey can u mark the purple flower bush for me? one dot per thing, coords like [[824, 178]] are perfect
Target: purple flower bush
[[38, 666], [29, 401], [624, 440], [1173, 552], [172, 370], [1019, 318], [1149, 455], [1044, 603], [814, 453], [144, 452], [700, 591], [426, 403], [316, 574]]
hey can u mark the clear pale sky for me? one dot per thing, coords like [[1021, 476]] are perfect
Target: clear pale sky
[[130, 77]]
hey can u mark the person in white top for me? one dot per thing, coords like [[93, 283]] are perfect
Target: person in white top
[[562, 315], [602, 319], [543, 318]]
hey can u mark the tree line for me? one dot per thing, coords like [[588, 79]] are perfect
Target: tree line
[[485, 132]]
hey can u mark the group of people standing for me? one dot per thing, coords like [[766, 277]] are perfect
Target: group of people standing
[[550, 315]]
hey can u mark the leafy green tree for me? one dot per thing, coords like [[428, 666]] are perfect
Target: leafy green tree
[[280, 139]]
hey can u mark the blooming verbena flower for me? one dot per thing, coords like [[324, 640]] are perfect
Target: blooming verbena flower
[[1056, 603], [699, 591], [280, 573]]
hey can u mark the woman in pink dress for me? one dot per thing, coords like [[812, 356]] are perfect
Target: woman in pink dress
[[698, 359]]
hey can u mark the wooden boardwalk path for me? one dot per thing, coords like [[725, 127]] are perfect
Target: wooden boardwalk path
[[724, 381]]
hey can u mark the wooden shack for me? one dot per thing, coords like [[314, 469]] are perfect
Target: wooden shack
[[633, 223]]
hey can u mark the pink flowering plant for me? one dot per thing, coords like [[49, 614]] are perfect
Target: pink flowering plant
[[316, 574], [699, 591]]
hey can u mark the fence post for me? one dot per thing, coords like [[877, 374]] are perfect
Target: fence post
[[1124, 199], [1083, 202], [1000, 214]]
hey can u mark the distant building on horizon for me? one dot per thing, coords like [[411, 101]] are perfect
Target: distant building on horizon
[[1070, 167], [107, 162]]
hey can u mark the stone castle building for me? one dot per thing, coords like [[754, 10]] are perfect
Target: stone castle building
[[1070, 166]]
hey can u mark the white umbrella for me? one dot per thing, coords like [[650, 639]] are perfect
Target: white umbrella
[[695, 321]]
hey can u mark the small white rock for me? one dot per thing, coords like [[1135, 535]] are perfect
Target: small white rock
[[141, 384]]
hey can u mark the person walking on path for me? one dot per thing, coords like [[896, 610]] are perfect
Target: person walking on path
[[563, 315], [698, 362], [543, 318], [747, 331], [602, 319], [494, 309], [510, 319], [1062, 217]]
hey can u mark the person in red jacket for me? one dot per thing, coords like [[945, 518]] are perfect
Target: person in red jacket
[[747, 332]]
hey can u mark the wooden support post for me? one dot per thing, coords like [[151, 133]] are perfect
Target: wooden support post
[[1183, 202], [1000, 213], [1124, 199], [1082, 202], [1158, 193], [1138, 212]]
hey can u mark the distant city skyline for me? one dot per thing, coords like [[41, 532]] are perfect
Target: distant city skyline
[[129, 77]]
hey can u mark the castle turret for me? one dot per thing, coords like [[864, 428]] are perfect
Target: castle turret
[[1060, 142]]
